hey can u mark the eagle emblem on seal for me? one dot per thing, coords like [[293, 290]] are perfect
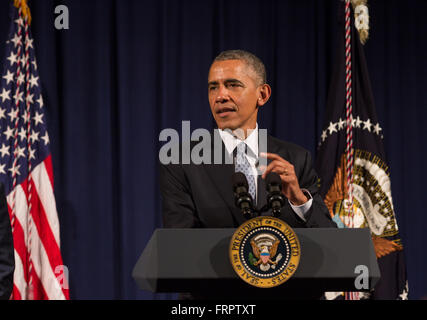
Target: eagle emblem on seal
[[264, 248]]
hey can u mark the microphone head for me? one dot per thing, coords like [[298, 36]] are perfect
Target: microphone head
[[273, 179], [239, 180], [242, 199]]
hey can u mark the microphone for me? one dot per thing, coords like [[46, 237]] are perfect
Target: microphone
[[242, 198], [275, 199]]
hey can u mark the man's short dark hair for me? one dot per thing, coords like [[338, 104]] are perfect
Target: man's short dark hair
[[250, 59]]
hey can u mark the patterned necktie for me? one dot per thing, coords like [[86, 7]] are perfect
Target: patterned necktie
[[242, 165]]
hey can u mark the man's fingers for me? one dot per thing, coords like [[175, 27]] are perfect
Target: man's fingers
[[272, 156], [274, 164], [268, 155]]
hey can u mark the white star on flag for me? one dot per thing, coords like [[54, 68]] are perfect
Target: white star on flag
[[31, 153], [22, 134], [33, 80], [324, 135], [332, 127], [4, 150], [9, 132], [34, 136], [25, 116], [46, 138], [28, 43], [358, 122], [8, 77], [367, 125], [13, 114], [12, 58], [5, 95], [377, 128], [40, 101], [34, 64], [38, 118], [2, 112], [16, 40], [18, 96], [21, 78], [15, 171], [20, 152], [23, 61], [341, 124], [29, 98], [19, 22]]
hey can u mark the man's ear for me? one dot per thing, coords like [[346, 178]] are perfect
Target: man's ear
[[264, 95]]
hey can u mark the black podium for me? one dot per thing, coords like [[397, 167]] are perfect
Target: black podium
[[197, 261]]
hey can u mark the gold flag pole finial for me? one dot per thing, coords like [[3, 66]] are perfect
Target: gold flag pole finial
[[25, 9], [361, 18]]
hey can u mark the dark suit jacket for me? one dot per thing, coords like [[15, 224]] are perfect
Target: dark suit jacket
[[201, 196], [7, 260]]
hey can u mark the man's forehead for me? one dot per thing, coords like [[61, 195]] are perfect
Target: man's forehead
[[230, 69]]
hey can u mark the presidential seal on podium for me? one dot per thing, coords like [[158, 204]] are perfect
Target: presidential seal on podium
[[265, 252]]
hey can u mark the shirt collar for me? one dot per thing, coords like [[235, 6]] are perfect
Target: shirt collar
[[231, 141]]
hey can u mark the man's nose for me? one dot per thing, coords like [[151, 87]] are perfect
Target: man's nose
[[222, 94]]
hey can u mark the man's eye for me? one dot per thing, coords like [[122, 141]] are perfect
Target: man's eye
[[212, 88]]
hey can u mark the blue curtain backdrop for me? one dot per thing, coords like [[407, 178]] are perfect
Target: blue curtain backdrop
[[125, 70]]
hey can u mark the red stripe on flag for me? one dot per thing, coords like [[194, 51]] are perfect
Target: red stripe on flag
[[49, 168], [39, 293], [16, 295], [45, 233]]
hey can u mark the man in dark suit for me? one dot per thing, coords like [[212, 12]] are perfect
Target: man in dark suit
[[201, 195], [7, 259]]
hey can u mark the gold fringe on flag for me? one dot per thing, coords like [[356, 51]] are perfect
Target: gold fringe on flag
[[25, 9], [361, 18]]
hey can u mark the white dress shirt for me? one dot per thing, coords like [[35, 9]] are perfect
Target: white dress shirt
[[231, 141]]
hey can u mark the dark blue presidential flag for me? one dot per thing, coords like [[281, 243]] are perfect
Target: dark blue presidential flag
[[351, 163]]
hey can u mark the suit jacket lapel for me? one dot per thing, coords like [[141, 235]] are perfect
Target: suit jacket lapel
[[221, 177]]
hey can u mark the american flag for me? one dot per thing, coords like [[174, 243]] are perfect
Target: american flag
[[26, 170]]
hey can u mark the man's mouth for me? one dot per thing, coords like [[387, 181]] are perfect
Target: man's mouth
[[223, 112]]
